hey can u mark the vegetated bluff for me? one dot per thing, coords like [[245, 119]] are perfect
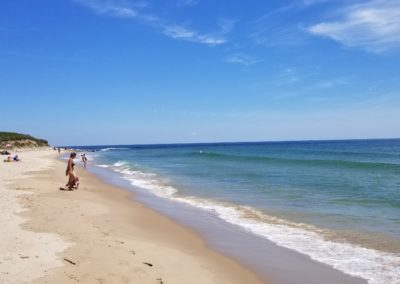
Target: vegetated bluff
[[17, 140]]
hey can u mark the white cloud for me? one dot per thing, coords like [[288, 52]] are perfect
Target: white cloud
[[136, 10], [226, 25], [110, 8], [212, 39], [374, 26], [241, 58], [182, 33]]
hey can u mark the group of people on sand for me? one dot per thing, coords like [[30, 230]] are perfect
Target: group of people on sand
[[13, 159], [73, 179], [58, 149], [9, 159]]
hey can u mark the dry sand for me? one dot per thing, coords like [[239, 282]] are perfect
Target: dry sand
[[24, 255], [107, 237]]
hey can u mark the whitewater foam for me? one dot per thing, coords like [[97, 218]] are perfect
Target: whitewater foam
[[119, 164], [113, 148]]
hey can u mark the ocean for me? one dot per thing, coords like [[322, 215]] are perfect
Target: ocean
[[337, 202]]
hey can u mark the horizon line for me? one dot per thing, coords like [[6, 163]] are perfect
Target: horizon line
[[232, 142]]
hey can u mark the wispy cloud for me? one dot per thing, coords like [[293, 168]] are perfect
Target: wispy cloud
[[137, 10], [241, 58], [111, 8], [316, 88], [214, 38], [373, 26], [287, 75], [328, 84], [278, 36], [182, 33], [276, 28]]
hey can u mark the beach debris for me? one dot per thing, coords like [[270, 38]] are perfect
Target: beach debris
[[132, 252], [148, 264], [160, 279], [24, 256], [70, 261]]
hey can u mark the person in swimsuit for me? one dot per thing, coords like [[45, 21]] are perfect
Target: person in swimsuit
[[84, 160], [73, 180]]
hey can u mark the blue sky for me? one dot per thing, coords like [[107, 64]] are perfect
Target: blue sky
[[139, 71]]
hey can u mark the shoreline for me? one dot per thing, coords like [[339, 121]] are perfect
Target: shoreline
[[275, 263], [108, 236]]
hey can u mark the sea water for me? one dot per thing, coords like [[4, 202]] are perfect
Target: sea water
[[337, 202]]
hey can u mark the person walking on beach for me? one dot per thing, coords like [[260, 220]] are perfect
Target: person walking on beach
[[73, 180], [84, 160], [59, 151]]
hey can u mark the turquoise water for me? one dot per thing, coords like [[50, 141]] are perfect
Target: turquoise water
[[330, 200]]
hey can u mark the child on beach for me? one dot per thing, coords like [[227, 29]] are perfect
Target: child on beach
[[73, 179], [8, 160]]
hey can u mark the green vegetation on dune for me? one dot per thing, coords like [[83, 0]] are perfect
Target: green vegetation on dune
[[21, 140]]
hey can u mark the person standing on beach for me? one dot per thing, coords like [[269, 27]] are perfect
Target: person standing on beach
[[59, 151], [73, 180], [84, 160]]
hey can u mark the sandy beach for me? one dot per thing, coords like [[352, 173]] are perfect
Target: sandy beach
[[97, 234]]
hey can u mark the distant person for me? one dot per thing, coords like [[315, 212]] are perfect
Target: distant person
[[8, 160], [84, 160], [59, 150], [73, 180], [16, 159]]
